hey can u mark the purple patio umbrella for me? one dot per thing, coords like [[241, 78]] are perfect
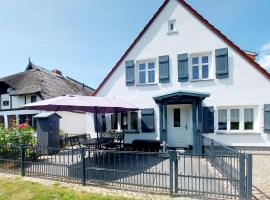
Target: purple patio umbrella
[[76, 103]]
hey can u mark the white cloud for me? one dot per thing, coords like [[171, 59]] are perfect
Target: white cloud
[[264, 61], [266, 47]]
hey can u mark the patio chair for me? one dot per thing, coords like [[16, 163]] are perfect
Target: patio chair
[[117, 143]]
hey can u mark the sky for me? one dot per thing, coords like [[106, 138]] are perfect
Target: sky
[[85, 38]]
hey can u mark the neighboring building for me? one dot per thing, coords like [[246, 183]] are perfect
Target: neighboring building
[[35, 84], [189, 79]]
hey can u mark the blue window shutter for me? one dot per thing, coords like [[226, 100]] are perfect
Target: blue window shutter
[[164, 69], [208, 119], [130, 73], [148, 120], [222, 63], [267, 118], [183, 67]]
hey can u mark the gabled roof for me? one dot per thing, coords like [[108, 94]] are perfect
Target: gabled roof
[[200, 18], [47, 84]]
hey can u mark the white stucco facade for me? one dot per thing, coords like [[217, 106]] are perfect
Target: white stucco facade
[[245, 87]]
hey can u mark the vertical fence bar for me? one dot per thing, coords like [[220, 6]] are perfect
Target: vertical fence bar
[[173, 158], [242, 176], [176, 175], [83, 165], [249, 176], [22, 150]]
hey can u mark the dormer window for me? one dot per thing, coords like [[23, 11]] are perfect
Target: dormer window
[[171, 26], [5, 103]]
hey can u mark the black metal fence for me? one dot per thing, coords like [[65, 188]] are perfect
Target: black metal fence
[[209, 174]]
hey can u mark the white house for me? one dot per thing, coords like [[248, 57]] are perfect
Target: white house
[[35, 84], [190, 80]]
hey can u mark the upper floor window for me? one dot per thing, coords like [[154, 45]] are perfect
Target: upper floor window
[[146, 73], [5, 103], [33, 98], [171, 26], [200, 67]]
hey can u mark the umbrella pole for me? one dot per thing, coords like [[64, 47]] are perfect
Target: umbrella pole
[[96, 124]]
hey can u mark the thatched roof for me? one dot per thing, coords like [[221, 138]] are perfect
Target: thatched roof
[[37, 80]]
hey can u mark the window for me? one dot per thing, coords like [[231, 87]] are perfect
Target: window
[[248, 119], [222, 119], [5, 103], [200, 67], [114, 122], [2, 120], [171, 26], [33, 99], [134, 121], [124, 121], [146, 73], [234, 119], [177, 117]]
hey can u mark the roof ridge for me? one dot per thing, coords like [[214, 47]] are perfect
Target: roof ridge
[[80, 82], [199, 17]]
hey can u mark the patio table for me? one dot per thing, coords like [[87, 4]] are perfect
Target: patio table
[[98, 141]]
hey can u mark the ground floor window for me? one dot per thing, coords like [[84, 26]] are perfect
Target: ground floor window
[[249, 119], [114, 122], [11, 121], [124, 121], [236, 119], [129, 121], [26, 119], [2, 121]]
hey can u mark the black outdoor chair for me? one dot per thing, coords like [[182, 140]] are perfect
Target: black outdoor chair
[[117, 143]]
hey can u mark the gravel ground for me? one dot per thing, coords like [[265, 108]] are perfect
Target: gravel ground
[[261, 175]]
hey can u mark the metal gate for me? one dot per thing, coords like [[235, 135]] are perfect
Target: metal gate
[[216, 173]]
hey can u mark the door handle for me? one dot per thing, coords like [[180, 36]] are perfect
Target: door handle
[[186, 126]]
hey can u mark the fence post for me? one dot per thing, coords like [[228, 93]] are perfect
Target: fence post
[[242, 176], [83, 165], [249, 176], [212, 150], [22, 155], [173, 158]]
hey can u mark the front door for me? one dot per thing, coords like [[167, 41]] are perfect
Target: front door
[[178, 125]]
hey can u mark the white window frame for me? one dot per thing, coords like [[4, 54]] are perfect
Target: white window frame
[[146, 62], [241, 119], [200, 64], [172, 22]]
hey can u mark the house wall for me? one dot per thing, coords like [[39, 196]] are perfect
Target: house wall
[[72, 123], [246, 86]]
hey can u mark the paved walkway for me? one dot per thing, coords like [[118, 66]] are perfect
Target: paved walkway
[[261, 176]]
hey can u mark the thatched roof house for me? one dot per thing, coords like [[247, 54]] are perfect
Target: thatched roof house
[[47, 84]]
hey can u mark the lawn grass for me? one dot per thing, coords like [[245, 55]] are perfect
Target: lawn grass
[[18, 189]]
